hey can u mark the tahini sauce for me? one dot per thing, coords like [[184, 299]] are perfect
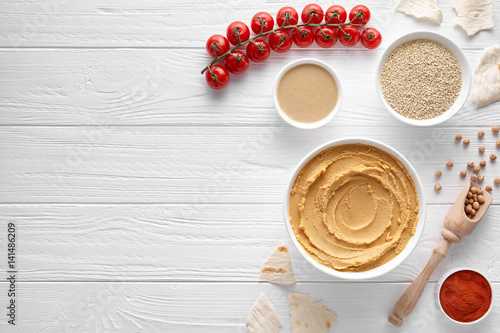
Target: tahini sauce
[[307, 93]]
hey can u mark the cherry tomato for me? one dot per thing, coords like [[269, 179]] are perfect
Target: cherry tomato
[[280, 41], [335, 14], [349, 36], [257, 20], [312, 13], [236, 32], [287, 16], [258, 51], [217, 45], [217, 77], [363, 15], [303, 36], [236, 62], [371, 38], [325, 37]]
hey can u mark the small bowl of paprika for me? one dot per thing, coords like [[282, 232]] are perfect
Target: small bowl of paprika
[[464, 296]]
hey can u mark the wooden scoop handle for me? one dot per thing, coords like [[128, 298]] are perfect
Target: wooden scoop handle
[[411, 296]]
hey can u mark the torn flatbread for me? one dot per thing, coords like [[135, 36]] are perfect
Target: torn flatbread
[[278, 267], [262, 318], [487, 77], [308, 316], [474, 16], [425, 10]]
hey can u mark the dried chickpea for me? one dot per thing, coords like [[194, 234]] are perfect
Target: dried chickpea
[[476, 168], [438, 173], [488, 188], [463, 173], [497, 180], [473, 177], [437, 187], [473, 212], [482, 164], [468, 209], [466, 142], [493, 157], [498, 143], [481, 149], [475, 205], [480, 191], [480, 178], [470, 165], [473, 190], [495, 129], [449, 164], [480, 134], [458, 137], [480, 199]]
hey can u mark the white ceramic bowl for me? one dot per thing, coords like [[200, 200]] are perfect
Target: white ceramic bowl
[[318, 123], [380, 270], [437, 290], [464, 65]]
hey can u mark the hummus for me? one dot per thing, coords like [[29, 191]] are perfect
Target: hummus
[[353, 207]]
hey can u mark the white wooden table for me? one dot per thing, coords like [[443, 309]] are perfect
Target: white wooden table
[[145, 201]]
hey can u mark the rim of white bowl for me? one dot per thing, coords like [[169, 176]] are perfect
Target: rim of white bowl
[[464, 66], [387, 267], [446, 275], [318, 123]]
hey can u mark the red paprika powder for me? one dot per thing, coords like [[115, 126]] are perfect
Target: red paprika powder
[[465, 296]]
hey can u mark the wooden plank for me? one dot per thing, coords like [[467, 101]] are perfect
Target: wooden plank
[[137, 23], [164, 87], [204, 164], [215, 307], [219, 243]]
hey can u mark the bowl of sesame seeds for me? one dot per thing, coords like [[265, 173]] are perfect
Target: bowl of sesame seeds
[[423, 78]]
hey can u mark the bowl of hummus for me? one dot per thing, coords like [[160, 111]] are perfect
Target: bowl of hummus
[[354, 208]]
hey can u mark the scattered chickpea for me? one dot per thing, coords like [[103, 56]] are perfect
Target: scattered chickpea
[[480, 178], [458, 137], [437, 187], [463, 173], [470, 165], [473, 177], [493, 157], [480, 134], [449, 164], [481, 149], [438, 173], [482, 164], [488, 188], [495, 129], [497, 180], [466, 142], [476, 168], [498, 143]]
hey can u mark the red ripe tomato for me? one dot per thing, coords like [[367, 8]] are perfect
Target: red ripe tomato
[[325, 37], [335, 14], [312, 13], [280, 41], [217, 45], [303, 36], [236, 32], [349, 35], [217, 77], [259, 19], [258, 51], [287, 16], [363, 15], [371, 38], [236, 62]]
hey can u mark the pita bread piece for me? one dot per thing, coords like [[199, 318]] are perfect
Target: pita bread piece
[[278, 267], [474, 16], [425, 10], [487, 77], [262, 318], [308, 316]]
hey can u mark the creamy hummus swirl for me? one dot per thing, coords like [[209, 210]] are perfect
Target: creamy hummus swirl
[[353, 207]]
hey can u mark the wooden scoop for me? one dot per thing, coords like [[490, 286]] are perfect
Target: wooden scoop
[[456, 226]]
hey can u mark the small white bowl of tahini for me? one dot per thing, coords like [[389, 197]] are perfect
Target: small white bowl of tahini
[[423, 78]]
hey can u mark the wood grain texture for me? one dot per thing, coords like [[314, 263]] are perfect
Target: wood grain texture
[[163, 87], [136, 23], [219, 243]]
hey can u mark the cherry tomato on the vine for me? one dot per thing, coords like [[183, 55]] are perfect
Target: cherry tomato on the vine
[[217, 77], [258, 19], [217, 43], [287, 16], [303, 36], [325, 37], [258, 50], [236, 62], [312, 13], [280, 41], [236, 32], [349, 35], [363, 15], [335, 14], [371, 38]]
